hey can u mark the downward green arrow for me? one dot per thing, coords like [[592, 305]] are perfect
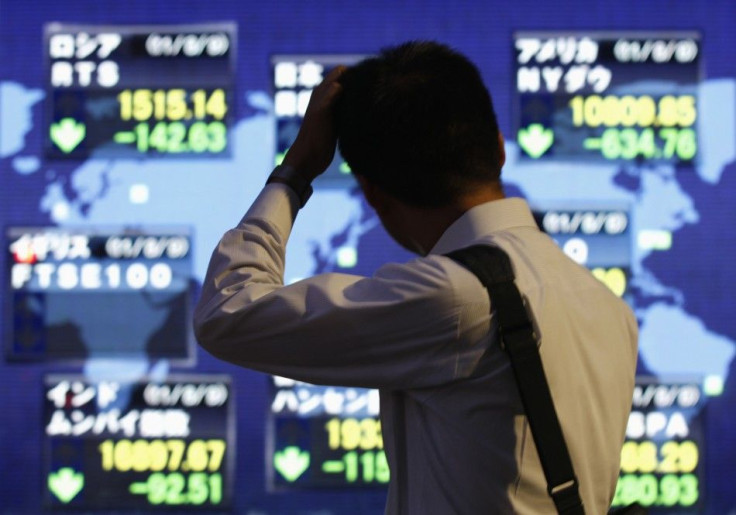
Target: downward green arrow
[[65, 484], [291, 462], [535, 140], [67, 134]]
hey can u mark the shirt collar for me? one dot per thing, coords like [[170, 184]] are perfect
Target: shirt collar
[[483, 219]]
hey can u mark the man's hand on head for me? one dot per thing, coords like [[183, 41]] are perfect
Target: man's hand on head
[[314, 147]]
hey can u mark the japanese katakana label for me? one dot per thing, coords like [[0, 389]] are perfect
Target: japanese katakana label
[[137, 445]]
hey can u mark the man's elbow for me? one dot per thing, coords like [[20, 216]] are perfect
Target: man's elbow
[[202, 336], [212, 340], [206, 331]]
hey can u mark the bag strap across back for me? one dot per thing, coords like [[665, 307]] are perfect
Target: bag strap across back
[[493, 268]]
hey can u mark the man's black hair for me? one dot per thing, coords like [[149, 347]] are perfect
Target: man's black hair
[[418, 122]]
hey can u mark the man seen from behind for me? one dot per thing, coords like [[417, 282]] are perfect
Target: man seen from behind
[[418, 129]]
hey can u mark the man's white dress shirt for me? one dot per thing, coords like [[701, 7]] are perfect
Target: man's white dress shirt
[[421, 332]]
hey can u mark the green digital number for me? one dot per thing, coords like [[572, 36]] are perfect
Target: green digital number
[[670, 490], [688, 490], [366, 467], [175, 489], [632, 143], [628, 143], [198, 491], [680, 142], [650, 490], [373, 467], [176, 137]]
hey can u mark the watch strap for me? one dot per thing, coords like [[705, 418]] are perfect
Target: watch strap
[[288, 175]]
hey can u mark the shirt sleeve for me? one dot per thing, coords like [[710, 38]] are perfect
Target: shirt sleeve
[[397, 329]]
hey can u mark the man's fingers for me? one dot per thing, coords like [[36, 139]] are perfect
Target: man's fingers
[[314, 147], [335, 73], [326, 92]]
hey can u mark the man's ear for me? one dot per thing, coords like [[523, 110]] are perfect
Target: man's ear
[[501, 150], [374, 195]]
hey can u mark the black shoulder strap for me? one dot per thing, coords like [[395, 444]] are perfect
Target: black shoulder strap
[[492, 266]]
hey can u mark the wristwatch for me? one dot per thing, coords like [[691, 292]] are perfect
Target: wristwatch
[[288, 175]]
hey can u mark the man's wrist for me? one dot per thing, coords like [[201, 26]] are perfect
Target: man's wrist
[[295, 180]]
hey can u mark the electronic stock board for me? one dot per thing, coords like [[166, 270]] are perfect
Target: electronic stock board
[[142, 92], [137, 91], [607, 96]]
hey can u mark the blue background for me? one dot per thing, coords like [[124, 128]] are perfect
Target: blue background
[[699, 264]]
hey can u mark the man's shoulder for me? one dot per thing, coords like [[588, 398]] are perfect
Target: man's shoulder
[[429, 272]]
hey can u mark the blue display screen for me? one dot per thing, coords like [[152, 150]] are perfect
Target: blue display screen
[[134, 134]]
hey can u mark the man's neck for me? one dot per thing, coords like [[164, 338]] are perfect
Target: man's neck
[[428, 225]]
